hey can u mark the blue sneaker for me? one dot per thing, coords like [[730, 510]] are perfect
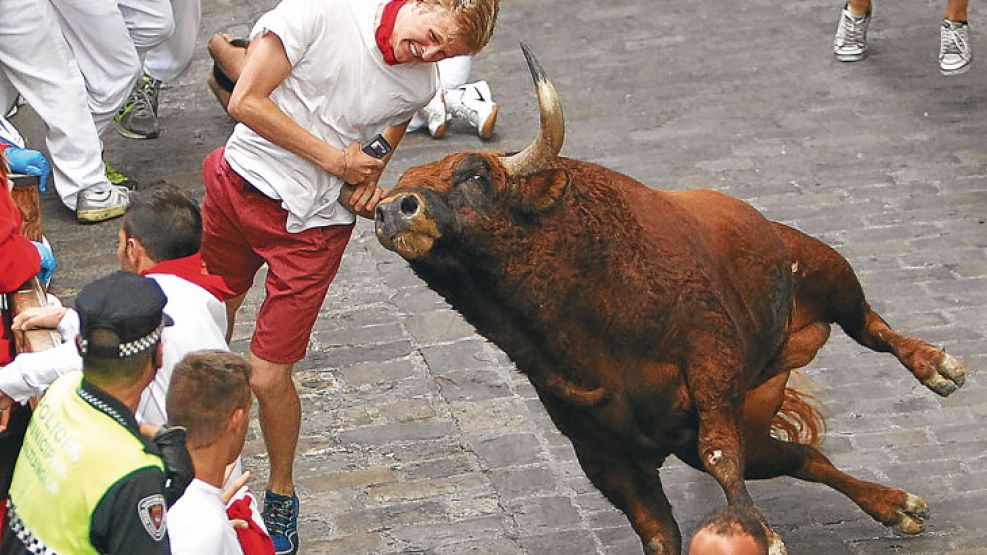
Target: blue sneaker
[[281, 518]]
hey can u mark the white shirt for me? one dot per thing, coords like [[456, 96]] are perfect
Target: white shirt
[[197, 523], [200, 323], [339, 89]]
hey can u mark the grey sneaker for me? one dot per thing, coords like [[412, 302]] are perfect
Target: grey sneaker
[[138, 119], [955, 50], [850, 43], [97, 205]]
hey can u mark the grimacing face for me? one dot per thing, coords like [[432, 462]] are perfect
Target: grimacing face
[[426, 33]]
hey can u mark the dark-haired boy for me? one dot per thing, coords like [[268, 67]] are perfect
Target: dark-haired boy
[[159, 238]]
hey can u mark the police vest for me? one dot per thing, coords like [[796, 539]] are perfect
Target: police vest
[[72, 455]]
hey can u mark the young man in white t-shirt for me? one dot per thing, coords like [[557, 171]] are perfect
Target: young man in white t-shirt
[[210, 397], [321, 79]]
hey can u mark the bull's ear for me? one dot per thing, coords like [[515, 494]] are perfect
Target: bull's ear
[[544, 189]]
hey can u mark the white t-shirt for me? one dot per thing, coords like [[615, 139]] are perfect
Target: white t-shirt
[[200, 323], [197, 523], [339, 89]]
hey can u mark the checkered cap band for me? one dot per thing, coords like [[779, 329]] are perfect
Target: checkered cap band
[[134, 347]]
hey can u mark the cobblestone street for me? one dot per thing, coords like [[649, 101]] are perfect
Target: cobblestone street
[[418, 436]]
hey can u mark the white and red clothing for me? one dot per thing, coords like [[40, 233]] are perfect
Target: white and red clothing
[[339, 89], [197, 523], [200, 323]]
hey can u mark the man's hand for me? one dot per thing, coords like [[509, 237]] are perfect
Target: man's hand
[[230, 492], [357, 167], [6, 407], [45, 317], [361, 200]]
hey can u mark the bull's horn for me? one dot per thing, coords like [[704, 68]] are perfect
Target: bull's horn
[[549, 141]]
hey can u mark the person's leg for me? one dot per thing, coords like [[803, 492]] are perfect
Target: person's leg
[[38, 62], [850, 42], [172, 58], [300, 268], [956, 10], [97, 35], [955, 48], [280, 414], [151, 24], [455, 72], [859, 8]]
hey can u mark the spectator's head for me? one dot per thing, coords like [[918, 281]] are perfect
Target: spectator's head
[[729, 531], [430, 30], [210, 396], [121, 317], [161, 224]]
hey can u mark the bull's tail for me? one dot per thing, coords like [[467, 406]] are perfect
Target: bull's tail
[[799, 420]]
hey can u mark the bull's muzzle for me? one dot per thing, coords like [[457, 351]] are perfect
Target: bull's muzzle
[[403, 226]]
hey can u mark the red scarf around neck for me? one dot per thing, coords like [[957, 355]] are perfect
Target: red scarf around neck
[[385, 29], [192, 270]]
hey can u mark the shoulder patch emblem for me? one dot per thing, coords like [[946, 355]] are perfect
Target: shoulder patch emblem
[[152, 512]]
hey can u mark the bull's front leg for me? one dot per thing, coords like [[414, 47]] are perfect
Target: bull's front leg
[[717, 385], [634, 487]]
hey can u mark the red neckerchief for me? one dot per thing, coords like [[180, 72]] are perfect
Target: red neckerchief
[[253, 540], [192, 269], [385, 29]]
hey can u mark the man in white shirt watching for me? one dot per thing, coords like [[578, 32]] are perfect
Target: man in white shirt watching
[[321, 79]]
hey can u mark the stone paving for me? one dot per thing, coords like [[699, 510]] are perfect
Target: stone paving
[[420, 437]]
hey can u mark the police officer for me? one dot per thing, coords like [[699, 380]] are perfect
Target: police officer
[[86, 481]]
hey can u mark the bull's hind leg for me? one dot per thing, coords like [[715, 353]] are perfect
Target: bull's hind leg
[[768, 457], [827, 290], [635, 488]]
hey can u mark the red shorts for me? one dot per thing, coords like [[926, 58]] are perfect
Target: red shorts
[[241, 230]]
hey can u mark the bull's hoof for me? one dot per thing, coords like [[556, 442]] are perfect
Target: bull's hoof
[[948, 376], [775, 545], [657, 547], [910, 515]]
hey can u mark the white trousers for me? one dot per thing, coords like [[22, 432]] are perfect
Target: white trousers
[[108, 39], [455, 72], [171, 59], [36, 62]]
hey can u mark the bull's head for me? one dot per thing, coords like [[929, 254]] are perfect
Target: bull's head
[[464, 189]]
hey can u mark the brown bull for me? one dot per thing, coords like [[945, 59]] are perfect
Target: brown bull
[[651, 323]]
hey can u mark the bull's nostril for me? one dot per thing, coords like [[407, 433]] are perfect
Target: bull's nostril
[[409, 205], [380, 213]]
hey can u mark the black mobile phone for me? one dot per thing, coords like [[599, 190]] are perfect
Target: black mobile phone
[[378, 147]]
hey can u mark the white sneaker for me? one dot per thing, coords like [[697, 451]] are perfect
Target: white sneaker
[[435, 115], [955, 50], [850, 43], [473, 103], [97, 205]]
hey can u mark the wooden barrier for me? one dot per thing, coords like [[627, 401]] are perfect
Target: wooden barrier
[[31, 294]]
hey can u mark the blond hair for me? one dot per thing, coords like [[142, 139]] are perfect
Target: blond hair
[[476, 19]]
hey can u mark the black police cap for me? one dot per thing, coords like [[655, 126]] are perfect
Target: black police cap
[[129, 305]]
